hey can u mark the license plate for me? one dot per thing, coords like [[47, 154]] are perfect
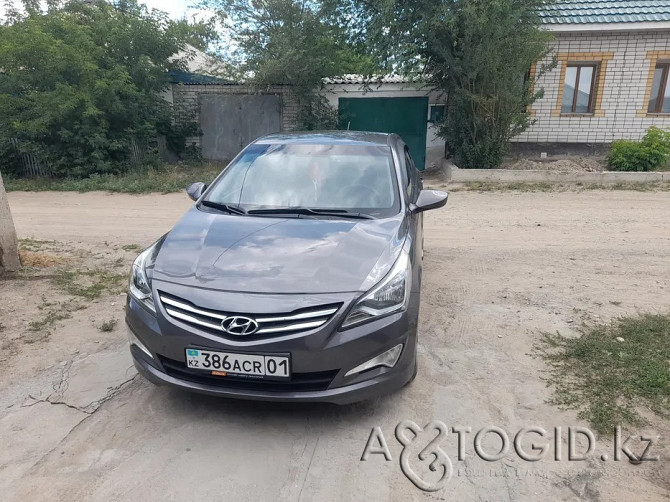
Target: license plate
[[247, 365]]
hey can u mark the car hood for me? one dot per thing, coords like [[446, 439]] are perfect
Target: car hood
[[279, 255]]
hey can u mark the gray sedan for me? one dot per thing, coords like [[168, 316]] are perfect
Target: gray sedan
[[296, 276]]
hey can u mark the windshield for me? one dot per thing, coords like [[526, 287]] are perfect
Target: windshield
[[354, 178]]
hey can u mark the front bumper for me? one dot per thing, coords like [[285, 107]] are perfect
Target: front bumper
[[319, 359]]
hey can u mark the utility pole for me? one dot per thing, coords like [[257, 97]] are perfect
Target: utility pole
[[9, 244]]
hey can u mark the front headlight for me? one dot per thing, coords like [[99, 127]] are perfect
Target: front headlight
[[140, 283], [390, 295]]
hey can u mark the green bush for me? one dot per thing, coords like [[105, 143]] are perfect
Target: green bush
[[9, 160], [487, 153], [478, 53], [142, 179], [649, 154], [81, 83]]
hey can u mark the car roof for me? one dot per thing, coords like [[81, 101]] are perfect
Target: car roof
[[329, 138]]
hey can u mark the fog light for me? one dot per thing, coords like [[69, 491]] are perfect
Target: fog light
[[136, 341], [388, 359]]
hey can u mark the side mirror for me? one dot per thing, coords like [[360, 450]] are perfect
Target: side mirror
[[195, 190], [430, 199]]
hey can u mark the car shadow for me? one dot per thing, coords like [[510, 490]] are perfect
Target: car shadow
[[198, 405]]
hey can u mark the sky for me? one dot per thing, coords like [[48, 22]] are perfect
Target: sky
[[177, 9]]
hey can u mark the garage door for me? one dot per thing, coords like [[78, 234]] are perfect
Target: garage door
[[229, 123], [407, 117]]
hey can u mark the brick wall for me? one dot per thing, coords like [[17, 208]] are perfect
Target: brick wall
[[186, 99], [622, 92]]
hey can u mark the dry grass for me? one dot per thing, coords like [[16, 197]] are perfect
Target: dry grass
[[519, 186], [108, 326], [35, 259]]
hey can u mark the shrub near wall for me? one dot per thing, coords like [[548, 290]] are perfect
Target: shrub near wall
[[80, 86], [649, 154]]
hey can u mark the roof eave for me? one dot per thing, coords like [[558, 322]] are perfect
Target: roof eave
[[590, 27]]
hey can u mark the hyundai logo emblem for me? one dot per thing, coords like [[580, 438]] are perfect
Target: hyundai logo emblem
[[239, 325]]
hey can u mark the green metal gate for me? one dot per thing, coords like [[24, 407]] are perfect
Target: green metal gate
[[407, 117]]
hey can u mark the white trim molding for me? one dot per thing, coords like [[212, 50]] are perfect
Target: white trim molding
[[639, 26]]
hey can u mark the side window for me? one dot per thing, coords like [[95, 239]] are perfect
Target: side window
[[582, 83], [579, 88], [659, 99], [411, 175]]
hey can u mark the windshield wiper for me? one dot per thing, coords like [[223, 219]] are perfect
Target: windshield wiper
[[335, 213], [223, 207]]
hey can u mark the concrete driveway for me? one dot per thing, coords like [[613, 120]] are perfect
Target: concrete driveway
[[77, 423]]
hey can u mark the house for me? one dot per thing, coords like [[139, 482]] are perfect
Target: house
[[611, 81], [611, 78]]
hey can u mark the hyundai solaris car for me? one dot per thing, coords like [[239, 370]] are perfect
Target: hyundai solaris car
[[296, 275]]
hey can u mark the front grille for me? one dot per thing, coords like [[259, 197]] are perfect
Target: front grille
[[299, 382], [269, 324]]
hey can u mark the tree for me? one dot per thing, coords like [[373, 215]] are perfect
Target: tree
[[296, 43], [479, 52], [9, 252], [82, 81]]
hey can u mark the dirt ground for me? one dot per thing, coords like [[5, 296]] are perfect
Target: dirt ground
[[571, 164], [77, 423]]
